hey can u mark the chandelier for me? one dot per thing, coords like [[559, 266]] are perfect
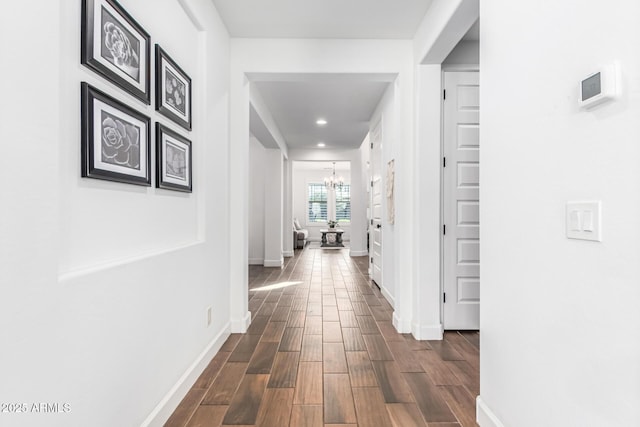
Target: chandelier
[[333, 182]]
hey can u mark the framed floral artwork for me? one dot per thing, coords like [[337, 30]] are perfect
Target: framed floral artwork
[[116, 139], [173, 160], [115, 46], [173, 90]]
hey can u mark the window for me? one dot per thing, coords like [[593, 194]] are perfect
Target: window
[[317, 203], [324, 204], [343, 204]]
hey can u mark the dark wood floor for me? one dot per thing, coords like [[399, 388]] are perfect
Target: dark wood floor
[[324, 353]]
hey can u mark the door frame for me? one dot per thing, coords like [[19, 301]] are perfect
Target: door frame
[[446, 68], [436, 39], [377, 124]]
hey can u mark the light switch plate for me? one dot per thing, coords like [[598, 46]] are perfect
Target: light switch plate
[[584, 220]]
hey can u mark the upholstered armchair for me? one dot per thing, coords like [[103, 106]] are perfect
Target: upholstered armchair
[[300, 235]]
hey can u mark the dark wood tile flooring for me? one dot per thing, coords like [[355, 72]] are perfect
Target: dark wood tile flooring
[[322, 352]]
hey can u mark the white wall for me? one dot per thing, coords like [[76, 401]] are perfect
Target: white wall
[[365, 180], [260, 59], [105, 285], [256, 201], [358, 226], [268, 121], [301, 179], [364, 188], [263, 59], [287, 214], [440, 31], [385, 114], [427, 320], [442, 27], [267, 179], [465, 53], [559, 319], [273, 208]]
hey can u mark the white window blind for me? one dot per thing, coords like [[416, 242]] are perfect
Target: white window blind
[[343, 204], [317, 203]]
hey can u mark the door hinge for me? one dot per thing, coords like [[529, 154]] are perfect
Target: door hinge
[[371, 221], [444, 297], [371, 145], [444, 229], [371, 184], [371, 260], [444, 162], [444, 94]]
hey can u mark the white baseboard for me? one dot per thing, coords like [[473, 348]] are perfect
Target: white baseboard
[[274, 262], [240, 326], [427, 332], [388, 296], [256, 261], [287, 254], [485, 416], [401, 326], [358, 253], [169, 403]]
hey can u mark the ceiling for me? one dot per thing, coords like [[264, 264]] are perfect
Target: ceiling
[[474, 33], [326, 19], [323, 166], [260, 130], [296, 101], [346, 102]]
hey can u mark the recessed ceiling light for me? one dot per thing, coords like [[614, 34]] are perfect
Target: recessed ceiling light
[[321, 144], [321, 122]]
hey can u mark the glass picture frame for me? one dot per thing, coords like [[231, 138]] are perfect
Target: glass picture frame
[[116, 139], [173, 90], [116, 47], [173, 160]]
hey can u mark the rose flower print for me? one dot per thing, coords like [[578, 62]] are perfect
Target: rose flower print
[[119, 46], [175, 93], [120, 144]]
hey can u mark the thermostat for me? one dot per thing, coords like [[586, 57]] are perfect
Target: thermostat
[[598, 87]]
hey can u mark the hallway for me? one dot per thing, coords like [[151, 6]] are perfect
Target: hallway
[[323, 352]]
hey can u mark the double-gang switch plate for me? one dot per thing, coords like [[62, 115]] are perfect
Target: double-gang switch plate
[[584, 221]]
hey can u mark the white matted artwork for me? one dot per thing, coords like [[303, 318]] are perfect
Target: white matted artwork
[[173, 160], [116, 142], [115, 46], [391, 209], [173, 90]]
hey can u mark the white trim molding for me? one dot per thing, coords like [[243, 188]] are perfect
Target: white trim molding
[[274, 262], [79, 272], [172, 399], [390, 299], [401, 325], [287, 254], [460, 67], [240, 326], [358, 253], [256, 261], [427, 332], [485, 416]]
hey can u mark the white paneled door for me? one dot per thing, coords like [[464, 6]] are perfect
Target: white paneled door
[[375, 227], [461, 228]]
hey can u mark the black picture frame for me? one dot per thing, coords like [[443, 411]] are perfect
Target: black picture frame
[[173, 90], [116, 139], [173, 160], [116, 47]]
